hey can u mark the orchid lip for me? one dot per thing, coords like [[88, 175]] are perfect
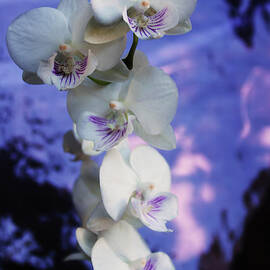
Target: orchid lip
[[150, 212], [109, 131], [145, 25], [69, 68]]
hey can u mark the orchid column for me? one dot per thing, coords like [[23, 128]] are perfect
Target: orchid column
[[78, 47]]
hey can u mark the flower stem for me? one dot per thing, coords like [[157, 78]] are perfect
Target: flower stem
[[99, 82], [130, 57]]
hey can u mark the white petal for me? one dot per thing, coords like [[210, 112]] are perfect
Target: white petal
[[155, 212], [35, 36], [152, 169], [159, 261], [185, 8], [97, 33], [99, 220], [78, 13], [140, 60], [75, 133], [70, 8], [165, 140], [153, 98], [31, 78], [108, 54], [165, 19], [118, 73], [126, 242], [86, 192], [86, 240], [117, 183], [84, 98], [124, 149], [50, 72], [76, 257], [111, 11], [183, 27], [103, 257]]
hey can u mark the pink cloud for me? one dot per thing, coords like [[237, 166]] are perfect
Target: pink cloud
[[191, 237]]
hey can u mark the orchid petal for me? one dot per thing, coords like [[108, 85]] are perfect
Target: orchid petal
[[99, 220], [115, 174], [70, 8], [35, 36], [185, 8], [86, 240], [108, 12], [126, 242], [78, 13], [86, 192], [118, 73], [97, 33], [155, 212], [152, 169], [153, 98], [103, 257], [31, 78], [51, 72], [182, 27], [108, 54], [140, 60], [165, 140], [76, 257], [84, 98]]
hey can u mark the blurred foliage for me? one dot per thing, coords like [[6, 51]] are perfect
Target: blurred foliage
[[41, 210], [251, 248], [243, 14]]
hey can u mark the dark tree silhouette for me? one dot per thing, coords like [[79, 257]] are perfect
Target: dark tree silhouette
[[243, 16], [41, 209]]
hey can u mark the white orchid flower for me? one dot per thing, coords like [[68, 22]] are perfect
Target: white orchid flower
[[140, 189], [147, 103], [49, 42], [122, 248], [147, 18]]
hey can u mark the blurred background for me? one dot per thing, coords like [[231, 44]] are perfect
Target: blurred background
[[220, 168]]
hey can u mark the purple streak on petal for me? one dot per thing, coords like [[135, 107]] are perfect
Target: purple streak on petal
[[109, 137], [156, 203], [151, 264]]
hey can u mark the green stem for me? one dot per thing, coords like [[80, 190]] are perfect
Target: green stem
[[130, 57], [99, 82]]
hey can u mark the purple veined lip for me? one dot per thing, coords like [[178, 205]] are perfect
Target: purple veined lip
[[151, 264], [157, 202], [155, 206], [109, 132], [153, 26], [70, 71]]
